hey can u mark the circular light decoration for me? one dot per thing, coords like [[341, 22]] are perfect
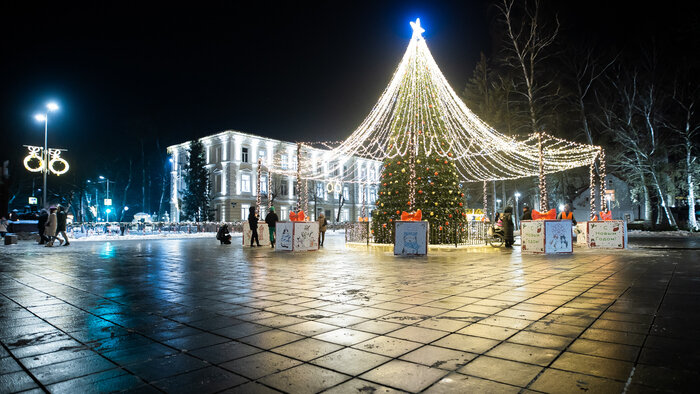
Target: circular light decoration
[[57, 159], [34, 154], [333, 187]]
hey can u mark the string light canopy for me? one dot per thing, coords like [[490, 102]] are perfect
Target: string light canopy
[[434, 121]]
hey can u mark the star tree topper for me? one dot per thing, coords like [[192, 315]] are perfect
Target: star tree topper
[[417, 29]]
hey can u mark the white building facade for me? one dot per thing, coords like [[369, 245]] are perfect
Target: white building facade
[[232, 165]]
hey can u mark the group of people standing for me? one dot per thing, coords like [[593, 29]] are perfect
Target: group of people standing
[[224, 234], [51, 224]]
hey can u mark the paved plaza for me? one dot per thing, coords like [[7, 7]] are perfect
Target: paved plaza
[[193, 316]]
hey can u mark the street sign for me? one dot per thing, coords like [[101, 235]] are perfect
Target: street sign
[[33, 200], [610, 194], [108, 201]]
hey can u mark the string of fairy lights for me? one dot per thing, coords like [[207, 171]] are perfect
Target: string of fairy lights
[[434, 121]]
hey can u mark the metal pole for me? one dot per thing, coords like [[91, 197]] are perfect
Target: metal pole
[[46, 155]]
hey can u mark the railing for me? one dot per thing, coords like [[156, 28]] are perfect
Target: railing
[[470, 233], [81, 230]]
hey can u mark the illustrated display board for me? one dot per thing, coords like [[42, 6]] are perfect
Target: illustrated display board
[[263, 234], [284, 231], [581, 231], [411, 238], [296, 236], [532, 236], [558, 236], [607, 234], [546, 236], [305, 236]]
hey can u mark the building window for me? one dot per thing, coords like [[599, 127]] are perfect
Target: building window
[[263, 184], [284, 211], [245, 183], [285, 162], [217, 155], [319, 190], [283, 188], [346, 193], [244, 155], [345, 171], [245, 208], [261, 155], [217, 183], [345, 215]]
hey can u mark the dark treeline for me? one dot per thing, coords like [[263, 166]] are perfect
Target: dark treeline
[[639, 102]]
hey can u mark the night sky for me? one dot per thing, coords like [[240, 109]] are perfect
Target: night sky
[[294, 71]]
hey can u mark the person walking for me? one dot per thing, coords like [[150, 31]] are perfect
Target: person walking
[[322, 226], [253, 222], [41, 224], [527, 214], [3, 227], [51, 226], [271, 219], [507, 223], [61, 217]]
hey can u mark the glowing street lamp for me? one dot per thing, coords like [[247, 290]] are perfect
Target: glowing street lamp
[[44, 117]]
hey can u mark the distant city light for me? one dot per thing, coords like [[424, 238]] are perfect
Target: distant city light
[[40, 117], [52, 106], [108, 210], [561, 207], [101, 177], [126, 208]]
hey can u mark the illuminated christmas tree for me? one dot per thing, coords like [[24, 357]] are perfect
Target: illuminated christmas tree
[[415, 177], [429, 142]]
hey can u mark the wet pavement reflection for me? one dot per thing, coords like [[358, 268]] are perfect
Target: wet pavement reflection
[[195, 316]]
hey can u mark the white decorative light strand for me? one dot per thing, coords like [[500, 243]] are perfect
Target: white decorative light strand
[[486, 200], [591, 181], [544, 200], [432, 112], [603, 199], [258, 198]]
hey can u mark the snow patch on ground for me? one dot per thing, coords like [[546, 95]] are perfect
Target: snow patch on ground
[[676, 233], [132, 237]]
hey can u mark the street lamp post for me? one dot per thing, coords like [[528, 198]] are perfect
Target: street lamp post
[[45, 117], [107, 201]]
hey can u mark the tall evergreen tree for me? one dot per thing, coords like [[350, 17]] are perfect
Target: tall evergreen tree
[[196, 196]]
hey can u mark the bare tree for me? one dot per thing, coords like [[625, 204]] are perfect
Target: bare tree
[[687, 129], [527, 44]]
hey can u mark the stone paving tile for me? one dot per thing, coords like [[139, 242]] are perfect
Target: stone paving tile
[[404, 375], [437, 357], [524, 353], [596, 366], [345, 336], [457, 383], [260, 364], [505, 371], [303, 379], [571, 323], [466, 343], [392, 347], [206, 380], [555, 381], [351, 361], [307, 349]]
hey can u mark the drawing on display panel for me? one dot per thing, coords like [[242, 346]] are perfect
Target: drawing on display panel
[[410, 243]]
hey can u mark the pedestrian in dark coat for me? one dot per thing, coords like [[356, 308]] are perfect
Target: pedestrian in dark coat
[[253, 222], [43, 218], [61, 218], [527, 213], [507, 222], [223, 235], [271, 219]]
